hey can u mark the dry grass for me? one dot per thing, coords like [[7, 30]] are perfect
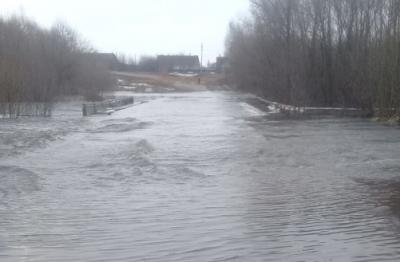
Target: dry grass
[[177, 83]]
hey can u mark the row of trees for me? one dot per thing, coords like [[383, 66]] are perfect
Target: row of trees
[[320, 53], [39, 65]]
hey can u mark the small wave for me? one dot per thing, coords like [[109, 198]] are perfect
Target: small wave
[[190, 172], [16, 180], [385, 191], [137, 150], [135, 155], [281, 136], [120, 127], [144, 146], [253, 111], [121, 120], [182, 174], [20, 141], [131, 164], [119, 176]]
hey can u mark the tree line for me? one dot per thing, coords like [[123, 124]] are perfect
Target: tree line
[[39, 64], [320, 53]]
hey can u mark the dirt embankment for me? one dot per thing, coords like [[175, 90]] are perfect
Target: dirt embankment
[[151, 82]]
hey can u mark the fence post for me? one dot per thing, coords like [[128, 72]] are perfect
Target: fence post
[[84, 110]]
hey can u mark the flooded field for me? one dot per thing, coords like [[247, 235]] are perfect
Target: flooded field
[[198, 177]]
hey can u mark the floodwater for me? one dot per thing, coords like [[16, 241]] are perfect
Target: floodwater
[[198, 177]]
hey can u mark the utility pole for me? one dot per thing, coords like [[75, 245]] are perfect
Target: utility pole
[[201, 60], [201, 64]]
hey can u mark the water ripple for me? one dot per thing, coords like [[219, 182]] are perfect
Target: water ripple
[[201, 177]]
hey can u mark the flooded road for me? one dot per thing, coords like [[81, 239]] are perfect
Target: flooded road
[[198, 177]]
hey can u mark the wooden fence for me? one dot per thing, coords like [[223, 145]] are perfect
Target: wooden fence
[[106, 107]]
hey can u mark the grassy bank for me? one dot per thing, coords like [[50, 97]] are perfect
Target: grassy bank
[[163, 83]]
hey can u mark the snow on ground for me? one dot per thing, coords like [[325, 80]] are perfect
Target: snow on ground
[[253, 111], [135, 86], [183, 74]]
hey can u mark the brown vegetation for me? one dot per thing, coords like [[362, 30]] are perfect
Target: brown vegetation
[[38, 65], [320, 53], [173, 83]]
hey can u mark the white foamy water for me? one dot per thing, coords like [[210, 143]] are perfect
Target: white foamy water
[[198, 177]]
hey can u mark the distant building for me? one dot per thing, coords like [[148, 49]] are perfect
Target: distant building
[[211, 67], [107, 61], [222, 63], [178, 63]]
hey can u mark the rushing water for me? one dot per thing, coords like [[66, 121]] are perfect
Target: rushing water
[[198, 177]]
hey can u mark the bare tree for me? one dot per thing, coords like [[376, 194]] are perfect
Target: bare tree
[[38, 65], [320, 52]]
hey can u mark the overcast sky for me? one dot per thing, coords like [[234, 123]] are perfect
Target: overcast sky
[[139, 27]]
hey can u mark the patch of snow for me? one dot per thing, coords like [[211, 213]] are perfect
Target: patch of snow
[[183, 74], [129, 87], [140, 84], [332, 108], [134, 86], [273, 109], [253, 111]]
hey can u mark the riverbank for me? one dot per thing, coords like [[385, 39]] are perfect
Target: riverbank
[[168, 83], [293, 112]]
